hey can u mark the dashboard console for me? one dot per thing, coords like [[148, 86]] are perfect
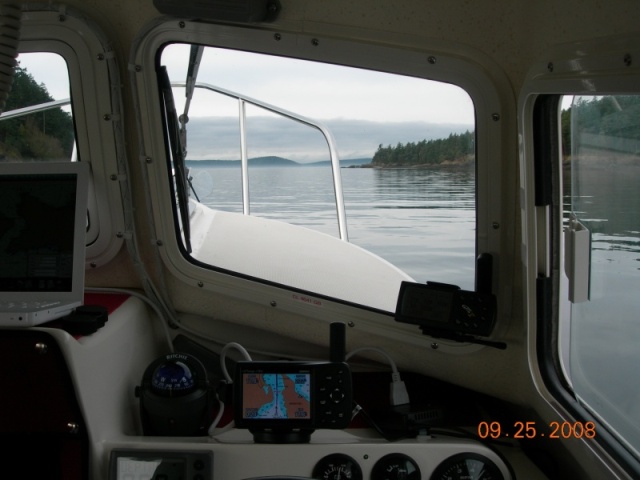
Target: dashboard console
[[331, 454]]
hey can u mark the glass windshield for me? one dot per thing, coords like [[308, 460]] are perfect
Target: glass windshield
[[406, 148]]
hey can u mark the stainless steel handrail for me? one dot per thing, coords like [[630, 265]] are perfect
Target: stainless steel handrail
[[333, 151], [41, 107]]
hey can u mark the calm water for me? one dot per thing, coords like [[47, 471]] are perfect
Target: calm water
[[605, 331], [422, 221]]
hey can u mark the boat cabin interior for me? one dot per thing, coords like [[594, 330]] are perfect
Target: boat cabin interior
[[296, 239]]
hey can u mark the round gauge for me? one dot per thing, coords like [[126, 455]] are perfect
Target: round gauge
[[173, 378], [395, 466], [468, 466], [337, 466]]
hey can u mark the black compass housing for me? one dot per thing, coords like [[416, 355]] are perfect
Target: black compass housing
[[175, 397]]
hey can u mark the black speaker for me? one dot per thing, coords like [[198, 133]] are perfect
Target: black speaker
[[175, 397]]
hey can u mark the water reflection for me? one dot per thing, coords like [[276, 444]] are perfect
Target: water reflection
[[605, 331], [429, 188], [421, 220]]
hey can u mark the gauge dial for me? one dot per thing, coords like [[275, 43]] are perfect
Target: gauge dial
[[337, 466], [395, 466], [468, 466]]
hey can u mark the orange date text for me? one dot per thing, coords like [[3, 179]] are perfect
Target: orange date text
[[531, 430]]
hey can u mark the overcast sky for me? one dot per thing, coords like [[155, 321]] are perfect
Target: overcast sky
[[324, 91], [363, 109], [49, 69]]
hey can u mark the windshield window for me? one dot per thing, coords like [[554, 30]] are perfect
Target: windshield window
[[406, 150]]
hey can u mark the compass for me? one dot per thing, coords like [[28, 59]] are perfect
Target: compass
[[173, 378], [175, 396]]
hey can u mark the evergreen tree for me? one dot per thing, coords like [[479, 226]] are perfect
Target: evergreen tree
[[42, 135], [609, 116], [457, 147]]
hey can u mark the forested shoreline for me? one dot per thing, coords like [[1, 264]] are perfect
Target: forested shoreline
[[456, 149], [44, 135], [606, 117]]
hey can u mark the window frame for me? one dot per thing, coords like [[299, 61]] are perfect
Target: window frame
[[95, 106], [470, 72], [541, 209]]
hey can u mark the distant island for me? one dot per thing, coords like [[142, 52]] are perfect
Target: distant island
[[455, 150], [274, 161]]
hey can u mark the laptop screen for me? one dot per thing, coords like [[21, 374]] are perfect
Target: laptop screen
[[37, 215], [41, 242]]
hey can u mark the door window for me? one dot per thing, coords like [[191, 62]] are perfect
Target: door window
[[601, 184]]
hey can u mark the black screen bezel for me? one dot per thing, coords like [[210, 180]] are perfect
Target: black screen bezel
[[415, 292], [243, 368]]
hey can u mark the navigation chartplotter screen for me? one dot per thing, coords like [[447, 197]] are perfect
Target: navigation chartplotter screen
[[268, 396], [280, 397]]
